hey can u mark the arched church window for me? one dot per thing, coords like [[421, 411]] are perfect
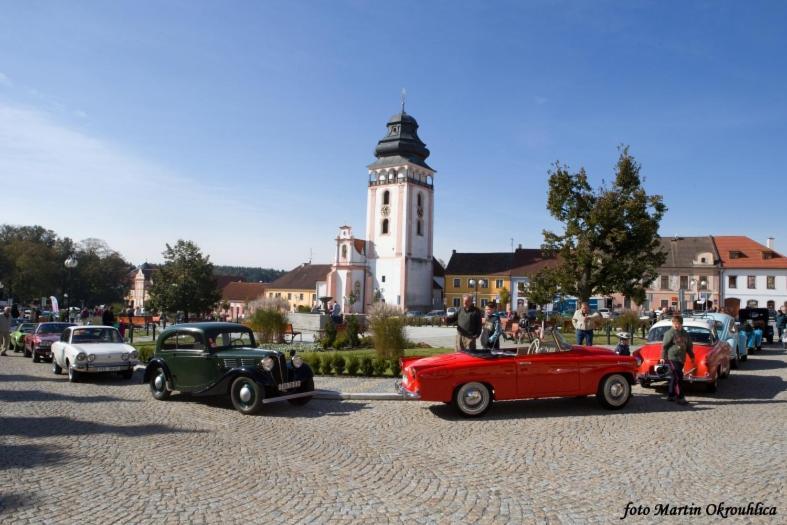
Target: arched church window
[[420, 227], [386, 197], [420, 199], [344, 251], [385, 226]]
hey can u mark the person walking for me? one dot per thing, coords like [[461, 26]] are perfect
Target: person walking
[[674, 347], [492, 328], [108, 317], [468, 324], [781, 320], [84, 315], [583, 322], [5, 330]]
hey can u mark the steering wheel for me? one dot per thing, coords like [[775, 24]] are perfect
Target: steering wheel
[[232, 343], [534, 347]]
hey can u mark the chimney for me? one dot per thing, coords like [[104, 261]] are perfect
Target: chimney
[[520, 247], [769, 244], [454, 251]]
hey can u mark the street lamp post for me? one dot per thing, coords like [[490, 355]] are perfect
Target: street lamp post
[[474, 284], [70, 263], [700, 283]]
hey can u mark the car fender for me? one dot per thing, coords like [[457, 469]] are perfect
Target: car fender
[[222, 385], [154, 363], [303, 372]]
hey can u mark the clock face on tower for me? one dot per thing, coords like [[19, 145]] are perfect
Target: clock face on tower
[[385, 211]]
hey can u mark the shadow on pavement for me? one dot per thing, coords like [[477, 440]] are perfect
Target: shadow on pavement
[[17, 396], [314, 408], [35, 427], [10, 502], [22, 378], [564, 407], [28, 456], [756, 363]]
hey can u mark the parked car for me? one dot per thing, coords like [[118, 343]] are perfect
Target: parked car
[[38, 343], [712, 355], [727, 330], [548, 367], [84, 350], [758, 318], [450, 314], [435, 314], [414, 313], [18, 336], [222, 359], [606, 313]]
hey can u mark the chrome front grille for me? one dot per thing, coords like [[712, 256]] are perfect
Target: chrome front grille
[[249, 361], [231, 362]]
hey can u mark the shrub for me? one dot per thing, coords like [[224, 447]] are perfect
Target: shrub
[[379, 366], [367, 366], [301, 309], [327, 364], [353, 328], [396, 368], [313, 360], [330, 335], [340, 341], [268, 318], [352, 365], [387, 325], [338, 363], [366, 342], [145, 352], [628, 321]]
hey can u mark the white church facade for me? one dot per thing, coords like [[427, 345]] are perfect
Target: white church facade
[[394, 263]]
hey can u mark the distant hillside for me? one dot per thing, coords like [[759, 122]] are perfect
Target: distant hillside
[[248, 274]]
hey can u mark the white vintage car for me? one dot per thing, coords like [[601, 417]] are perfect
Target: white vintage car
[[86, 350]]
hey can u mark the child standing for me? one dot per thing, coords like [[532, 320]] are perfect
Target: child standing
[[623, 344]]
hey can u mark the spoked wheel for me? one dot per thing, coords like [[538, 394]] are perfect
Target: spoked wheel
[[307, 385], [472, 399], [614, 392], [56, 368], [158, 385], [246, 395]]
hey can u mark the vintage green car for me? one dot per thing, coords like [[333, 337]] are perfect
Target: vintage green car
[[18, 336], [219, 359]]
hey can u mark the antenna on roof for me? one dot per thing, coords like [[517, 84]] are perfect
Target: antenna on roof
[[310, 255], [404, 97], [512, 245]]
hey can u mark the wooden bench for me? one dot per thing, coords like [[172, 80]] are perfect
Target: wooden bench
[[292, 333]]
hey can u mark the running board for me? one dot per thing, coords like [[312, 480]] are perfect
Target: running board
[[289, 396], [369, 396]]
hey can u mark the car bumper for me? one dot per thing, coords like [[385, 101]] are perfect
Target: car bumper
[[98, 369], [400, 389], [652, 378], [45, 352]]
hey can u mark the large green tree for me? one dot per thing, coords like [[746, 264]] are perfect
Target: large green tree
[[610, 240], [185, 282]]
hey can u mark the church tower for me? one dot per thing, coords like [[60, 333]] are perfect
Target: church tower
[[400, 219]]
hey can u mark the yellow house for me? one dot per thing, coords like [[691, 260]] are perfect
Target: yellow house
[[300, 286], [482, 275]]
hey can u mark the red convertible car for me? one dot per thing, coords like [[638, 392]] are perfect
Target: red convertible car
[[712, 355], [548, 367]]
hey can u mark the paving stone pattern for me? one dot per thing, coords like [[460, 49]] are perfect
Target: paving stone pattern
[[105, 451]]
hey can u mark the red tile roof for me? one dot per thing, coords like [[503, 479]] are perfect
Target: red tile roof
[[240, 291], [738, 251], [304, 277]]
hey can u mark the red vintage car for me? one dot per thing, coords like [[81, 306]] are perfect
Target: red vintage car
[[712, 355], [38, 343], [548, 367]]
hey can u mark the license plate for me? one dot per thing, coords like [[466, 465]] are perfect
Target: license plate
[[108, 369], [291, 384]]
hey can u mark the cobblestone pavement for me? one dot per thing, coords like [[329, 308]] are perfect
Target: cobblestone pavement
[[106, 452]]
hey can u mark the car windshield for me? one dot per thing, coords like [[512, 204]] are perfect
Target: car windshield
[[231, 339], [52, 328], [26, 327], [696, 333], [95, 335]]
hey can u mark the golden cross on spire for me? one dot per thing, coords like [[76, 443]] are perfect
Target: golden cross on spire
[[404, 97]]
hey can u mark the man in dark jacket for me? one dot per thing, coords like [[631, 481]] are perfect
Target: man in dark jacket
[[675, 345], [108, 317], [468, 325], [781, 320]]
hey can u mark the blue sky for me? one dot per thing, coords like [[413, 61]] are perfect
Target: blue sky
[[247, 126]]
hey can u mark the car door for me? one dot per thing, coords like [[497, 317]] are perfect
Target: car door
[[193, 366], [551, 370]]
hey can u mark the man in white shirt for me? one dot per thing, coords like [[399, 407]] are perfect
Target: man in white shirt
[[584, 323]]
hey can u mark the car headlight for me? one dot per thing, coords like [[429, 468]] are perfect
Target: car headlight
[[124, 356], [267, 364], [81, 356], [297, 361], [133, 354], [91, 357]]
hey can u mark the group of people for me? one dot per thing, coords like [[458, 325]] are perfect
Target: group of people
[[471, 325]]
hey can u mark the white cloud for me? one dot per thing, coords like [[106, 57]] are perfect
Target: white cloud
[[4, 80]]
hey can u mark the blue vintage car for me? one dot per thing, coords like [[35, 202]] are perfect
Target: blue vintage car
[[727, 330]]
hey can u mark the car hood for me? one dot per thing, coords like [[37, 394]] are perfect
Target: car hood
[[247, 352], [103, 348], [49, 337]]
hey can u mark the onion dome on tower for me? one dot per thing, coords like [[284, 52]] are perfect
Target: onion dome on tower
[[401, 144]]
